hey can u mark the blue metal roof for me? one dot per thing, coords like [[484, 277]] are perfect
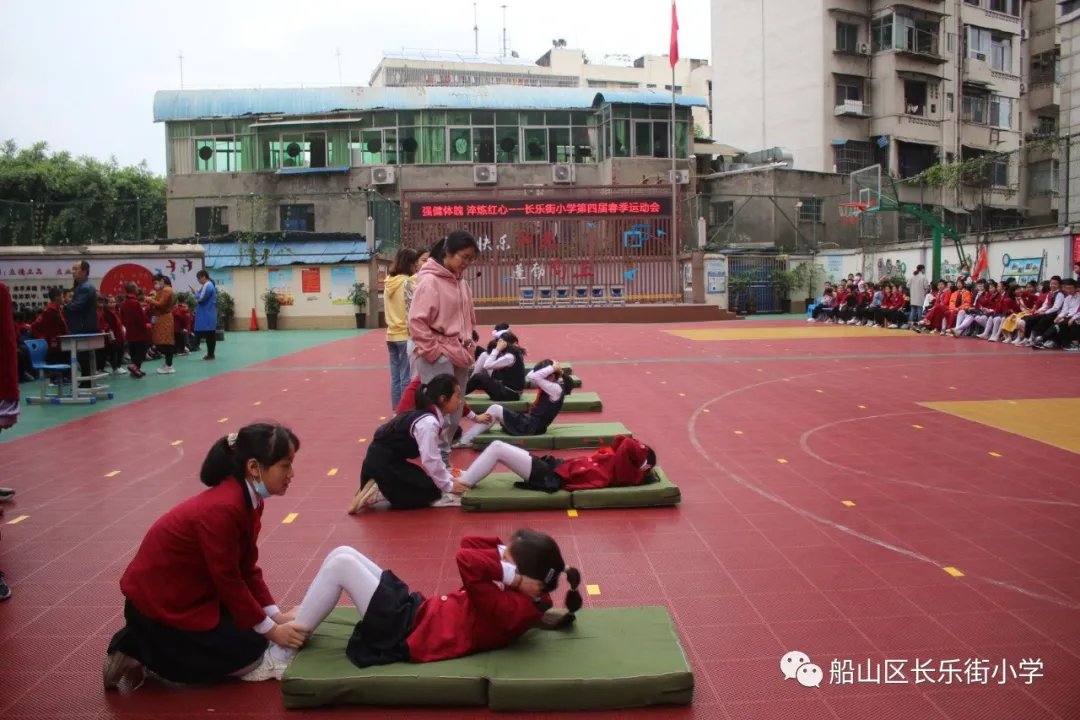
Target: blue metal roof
[[300, 252], [172, 105]]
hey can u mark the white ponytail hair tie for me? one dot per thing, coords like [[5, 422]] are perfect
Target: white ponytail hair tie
[[496, 334], [645, 465], [231, 439]]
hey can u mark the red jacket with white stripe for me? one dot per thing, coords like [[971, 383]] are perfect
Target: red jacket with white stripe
[[615, 466]]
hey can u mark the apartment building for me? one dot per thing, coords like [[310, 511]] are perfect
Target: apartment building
[[845, 84], [559, 67], [1069, 31]]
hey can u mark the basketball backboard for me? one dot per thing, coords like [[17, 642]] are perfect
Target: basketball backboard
[[865, 188]]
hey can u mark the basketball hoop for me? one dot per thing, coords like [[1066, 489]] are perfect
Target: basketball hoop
[[850, 212]]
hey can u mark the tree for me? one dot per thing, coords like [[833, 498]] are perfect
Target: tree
[[51, 198]]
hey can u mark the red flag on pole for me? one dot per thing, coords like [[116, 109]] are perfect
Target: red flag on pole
[[982, 265], [674, 52]]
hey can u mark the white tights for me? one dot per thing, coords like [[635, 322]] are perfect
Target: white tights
[[496, 413], [969, 320], [344, 569], [519, 461]]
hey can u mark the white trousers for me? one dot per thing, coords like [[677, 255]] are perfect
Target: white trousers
[[496, 413], [519, 461], [346, 570]]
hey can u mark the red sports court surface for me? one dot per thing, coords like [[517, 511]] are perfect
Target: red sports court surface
[[866, 497]]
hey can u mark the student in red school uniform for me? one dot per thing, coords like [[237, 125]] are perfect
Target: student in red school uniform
[[49, 326], [197, 609], [505, 592], [983, 301], [109, 322], [936, 315], [1002, 305], [627, 462], [136, 328], [182, 324]]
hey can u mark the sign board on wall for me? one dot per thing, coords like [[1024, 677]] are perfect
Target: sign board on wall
[[834, 265], [280, 280], [223, 281], [30, 279], [1025, 270], [311, 280], [1076, 249], [716, 276], [342, 280]]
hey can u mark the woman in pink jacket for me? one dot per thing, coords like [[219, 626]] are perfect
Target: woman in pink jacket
[[442, 320]]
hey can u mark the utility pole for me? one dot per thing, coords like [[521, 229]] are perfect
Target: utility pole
[[339, 80], [476, 30], [504, 43], [181, 57]]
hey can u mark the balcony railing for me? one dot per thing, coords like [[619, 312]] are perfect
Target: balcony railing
[[853, 108]]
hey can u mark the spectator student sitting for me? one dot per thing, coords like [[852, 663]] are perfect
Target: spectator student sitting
[[1062, 330]]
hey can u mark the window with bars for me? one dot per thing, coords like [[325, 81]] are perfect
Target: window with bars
[[852, 155], [211, 221], [810, 210], [218, 154], [297, 218]]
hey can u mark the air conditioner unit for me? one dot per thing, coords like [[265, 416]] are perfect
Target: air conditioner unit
[[979, 56], [679, 177], [562, 173], [1023, 89], [383, 175], [864, 49], [485, 174]]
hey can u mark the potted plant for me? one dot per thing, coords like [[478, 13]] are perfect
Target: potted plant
[[226, 308], [806, 278], [272, 306], [783, 282], [358, 296], [739, 283]]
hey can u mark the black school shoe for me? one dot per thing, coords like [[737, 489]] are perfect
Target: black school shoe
[[5, 591], [6, 494]]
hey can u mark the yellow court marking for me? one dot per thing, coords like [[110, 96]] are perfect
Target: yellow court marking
[[306, 379], [289, 518], [782, 461], [953, 571], [174, 443], [17, 520], [682, 394], [951, 387], [223, 420], [332, 472], [1025, 418], [760, 370], [849, 503], [382, 417], [114, 473], [705, 410], [994, 454], [862, 407], [571, 513], [738, 432], [770, 333], [663, 382], [362, 440], [917, 427], [821, 391], [592, 589], [284, 389], [257, 402]]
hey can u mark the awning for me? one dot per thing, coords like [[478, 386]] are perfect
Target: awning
[[715, 148], [290, 252], [312, 171]]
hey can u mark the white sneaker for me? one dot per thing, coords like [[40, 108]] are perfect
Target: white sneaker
[[893, 326], [166, 370], [447, 500], [271, 668], [117, 666], [120, 371]]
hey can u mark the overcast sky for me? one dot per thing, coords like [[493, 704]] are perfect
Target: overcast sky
[[82, 75]]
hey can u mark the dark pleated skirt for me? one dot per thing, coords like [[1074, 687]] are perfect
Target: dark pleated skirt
[[188, 656], [520, 424], [404, 484], [379, 638]]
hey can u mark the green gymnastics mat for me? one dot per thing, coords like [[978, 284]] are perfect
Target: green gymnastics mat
[[611, 659], [575, 382], [497, 493], [577, 402], [559, 436]]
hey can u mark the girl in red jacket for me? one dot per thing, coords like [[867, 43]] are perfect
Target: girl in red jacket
[[505, 591], [197, 609], [136, 328], [626, 462]]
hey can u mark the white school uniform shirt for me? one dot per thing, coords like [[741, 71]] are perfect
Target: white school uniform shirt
[[492, 361], [539, 378], [426, 433], [1070, 308], [1053, 303]]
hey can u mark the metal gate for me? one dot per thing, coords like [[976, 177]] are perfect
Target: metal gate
[[758, 269], [577, 241]]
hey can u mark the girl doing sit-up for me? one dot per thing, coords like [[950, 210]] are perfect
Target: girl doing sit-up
[[388, 472], [500, 370], [626, 462], [505, 591], [553, 385]]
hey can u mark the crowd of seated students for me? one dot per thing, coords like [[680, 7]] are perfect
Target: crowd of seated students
[[1044, 315], [126, 321]]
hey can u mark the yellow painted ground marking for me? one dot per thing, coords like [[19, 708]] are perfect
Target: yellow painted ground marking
[[663, 382], [1026, 418], [332, 471], [821, 391], [571, 513], [257, 402], [917, 427], [768, 333], [782, 461], [849, 503], [951, 387], [787, 379], [362, 440], [382, 417], [738, 432], [17, 520], [306, 379], [647, 372], [760, 370], [592, 589], [289, 518], [705, 410], [953, 571], [114, 473], [284, 389], [862, 407], [994, 454], [682, 394], [224, 419], [174, 443]]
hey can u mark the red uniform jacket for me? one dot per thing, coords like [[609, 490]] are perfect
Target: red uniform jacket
[[480, 616], [133, 317], [896, 301], [1008, 305], [841, 297], [109, 321], [49, 326], [615, 466], [198, 556], [987, 301], [9, 353], [181, 318], [408, 399]]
